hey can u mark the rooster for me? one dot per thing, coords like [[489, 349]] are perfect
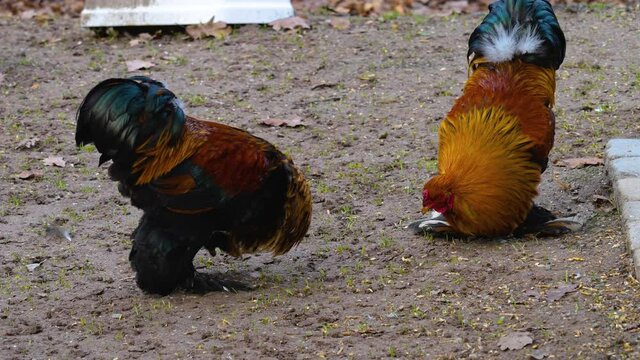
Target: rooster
[[199, 183], [494, 143]]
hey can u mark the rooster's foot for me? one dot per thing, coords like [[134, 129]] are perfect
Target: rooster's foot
[[432, 225], [201, 283], [559, 226]]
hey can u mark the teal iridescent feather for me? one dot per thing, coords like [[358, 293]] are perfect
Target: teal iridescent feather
[[120, 114], [522, 17]]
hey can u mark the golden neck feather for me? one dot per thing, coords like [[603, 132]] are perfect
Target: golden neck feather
[[484, 160], [160, 158]]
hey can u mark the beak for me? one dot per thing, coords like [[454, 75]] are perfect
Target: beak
[[425, 210]]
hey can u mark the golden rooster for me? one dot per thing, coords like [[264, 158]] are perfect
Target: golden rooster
[[495, 141]]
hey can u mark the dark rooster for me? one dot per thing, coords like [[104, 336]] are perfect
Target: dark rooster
[[199, 183], [495, 141]]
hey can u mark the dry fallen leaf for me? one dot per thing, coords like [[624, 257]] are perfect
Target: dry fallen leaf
[[292, 122], [28, 14], [42, 18], [28, 143], [599, 199], [340, 23], [28, 175], [367, 76], [143, 38], [369, 7], [576, 163], [218, 29], [344, 10], [603, 203], [515, 340], [290, 23], [456, 6], [539, 354], [559, 292], [54, 161], [135, 65]]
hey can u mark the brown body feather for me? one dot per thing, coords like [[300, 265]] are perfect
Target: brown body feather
[[240, 165]]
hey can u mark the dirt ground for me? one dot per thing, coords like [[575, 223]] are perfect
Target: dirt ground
[[359, 286]]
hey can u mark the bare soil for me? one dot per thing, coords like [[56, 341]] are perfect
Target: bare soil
[[360, 285]]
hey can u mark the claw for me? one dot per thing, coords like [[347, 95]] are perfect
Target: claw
[[435, 225], [542, 222], [201, 283], [559, 226]]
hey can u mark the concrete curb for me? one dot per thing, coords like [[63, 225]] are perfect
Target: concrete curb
[[622, 159]]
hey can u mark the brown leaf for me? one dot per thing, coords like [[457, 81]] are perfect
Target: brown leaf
[[28, 14], [308, 5], [218, 29], [54, 161], [143, 38], [599, 199], [290, 23], [603, 203], [343, 10], [367, 76], [456, 6], [292, 122], [28, 175], [135, 65], [559, 292], [340, 23], [76, 6], [42, 18], [515, 340], [369, 7], [28, 143], [576, 163]]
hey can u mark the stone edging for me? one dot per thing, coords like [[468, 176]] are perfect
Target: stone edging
[[622, 159]]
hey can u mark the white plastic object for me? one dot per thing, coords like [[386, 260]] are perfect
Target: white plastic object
[[107, 13]]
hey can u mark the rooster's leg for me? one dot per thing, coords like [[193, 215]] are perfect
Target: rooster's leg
[[160, 259], [204, 282], [435, 225]]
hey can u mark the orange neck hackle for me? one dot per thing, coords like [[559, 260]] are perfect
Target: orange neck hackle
[[525, 91], [161, 157], [485, 172]]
